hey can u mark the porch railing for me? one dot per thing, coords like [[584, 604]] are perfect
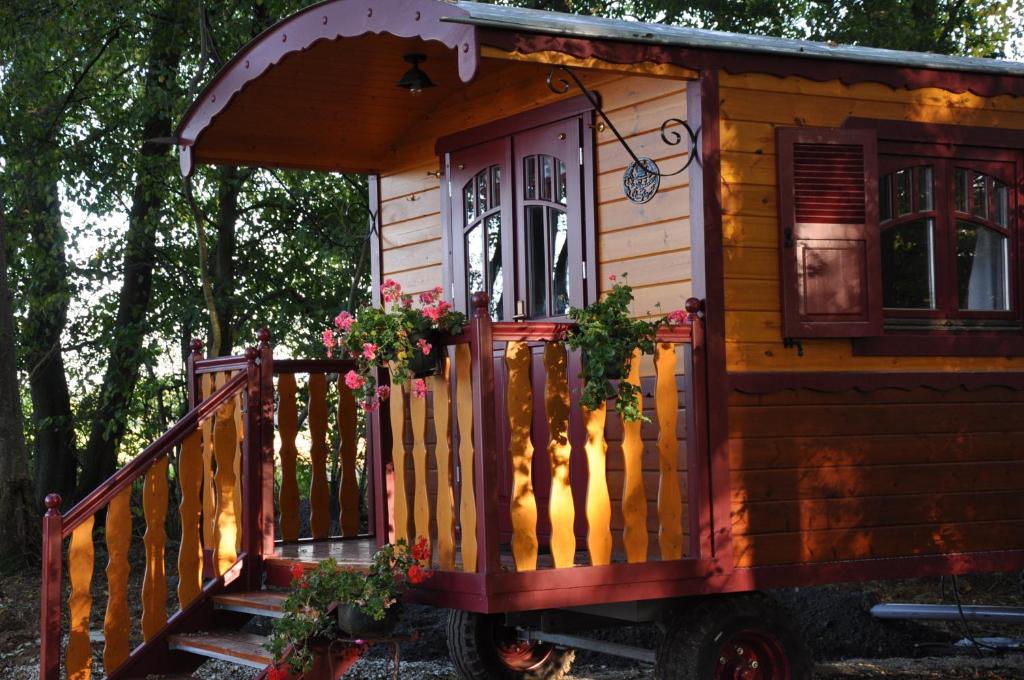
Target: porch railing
[[506, 388]]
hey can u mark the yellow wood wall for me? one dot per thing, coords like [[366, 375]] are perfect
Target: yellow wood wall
[[650, 242], [752, 106]]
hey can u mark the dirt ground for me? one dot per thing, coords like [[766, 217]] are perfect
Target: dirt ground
[[846, 641]]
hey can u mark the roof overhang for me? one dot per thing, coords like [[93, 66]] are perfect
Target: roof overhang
[[318, 90]]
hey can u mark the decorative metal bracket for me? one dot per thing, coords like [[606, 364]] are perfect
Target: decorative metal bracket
[[642, 178]]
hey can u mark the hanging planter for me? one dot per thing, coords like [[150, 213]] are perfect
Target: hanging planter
[[428, 354], [356, 623]]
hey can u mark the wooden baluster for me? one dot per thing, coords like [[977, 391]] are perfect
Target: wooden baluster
[[401, 500], [50, 596], [225, 446], [670, 502], [116, 620], [467, 497], [154, 580], [634, 502], [520, 414], [421, 502], [348, 490], [319, 491], [240, 433], [442, 458], [190, 552], [80, 568], [560, 507], [288, 427], [599, 504], [209, 490]]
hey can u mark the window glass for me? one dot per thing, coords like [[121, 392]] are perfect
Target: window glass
[[546, 177], [982, 268], [469, 202], [960, 182], [1002, 203], [537, 271], [908, 266], [475, 260], [904, 192], [481, 192], [924, 188], [530, 177], [979, 195], [495, 186], [562, 195], [496, 277], [559, 227]]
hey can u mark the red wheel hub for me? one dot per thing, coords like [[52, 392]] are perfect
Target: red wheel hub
[[752, 655], [519, 655]]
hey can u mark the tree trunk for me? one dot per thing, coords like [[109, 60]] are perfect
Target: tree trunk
[[20, 527], [167, 39], [229, 186], [49, 293]]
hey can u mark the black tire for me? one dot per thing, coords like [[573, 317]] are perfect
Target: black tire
[[727, 635], [482, 647]]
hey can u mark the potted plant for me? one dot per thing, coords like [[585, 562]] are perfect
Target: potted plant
[[606, 336], [398, 335], [331, 601]]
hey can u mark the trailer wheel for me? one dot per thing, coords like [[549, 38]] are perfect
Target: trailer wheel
[[482, 647], [734, 637]]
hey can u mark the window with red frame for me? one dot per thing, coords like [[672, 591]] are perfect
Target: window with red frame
[[948, 237]]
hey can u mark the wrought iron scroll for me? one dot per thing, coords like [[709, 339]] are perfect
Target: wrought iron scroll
[[642, 178]]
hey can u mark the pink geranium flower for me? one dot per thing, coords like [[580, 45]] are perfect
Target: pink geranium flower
[[383, 392], [419, 387], [424, 346], [390, 290], [369, 405], [369, 351], [344, 321], [612, 277], [354, 381], [676, 317], [433, 313], [328, 338], [427, 298]]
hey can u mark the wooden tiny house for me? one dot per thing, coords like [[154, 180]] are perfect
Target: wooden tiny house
[[841, 224]]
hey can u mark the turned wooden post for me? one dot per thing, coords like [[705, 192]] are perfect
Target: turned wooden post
[[266, 442], [696, 426], [49, 610], [485, 437], [194, 392]]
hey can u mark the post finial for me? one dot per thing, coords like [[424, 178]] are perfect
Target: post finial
[[251, 353], [479, 302], [693, 305], [264, 336], [52, 503], [197, 346]]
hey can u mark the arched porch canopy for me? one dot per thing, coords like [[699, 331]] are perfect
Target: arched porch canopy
[[318, 90]]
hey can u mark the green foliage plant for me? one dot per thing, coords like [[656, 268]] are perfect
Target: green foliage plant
[[389, 336], [309, 607], [606, 336]]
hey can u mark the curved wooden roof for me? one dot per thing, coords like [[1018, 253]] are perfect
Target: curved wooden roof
[[335, 107]]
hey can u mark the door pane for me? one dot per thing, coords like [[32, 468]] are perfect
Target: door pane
[[496, 283], [475, 271], [908, 270], [546, 177], [903, 192], [960, 183], [885, 199], [562, 195], [536, 261], [1002, 201], [982, 268], [924, 188], [559, 226], [530, 177], [481, 192], [979, 190], [469, 202], [495, 186]]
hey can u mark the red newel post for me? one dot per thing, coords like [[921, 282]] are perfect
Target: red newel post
[[485, 436], [251, 471], [697, 424], [266, 442], [49, 610], [193, 381]]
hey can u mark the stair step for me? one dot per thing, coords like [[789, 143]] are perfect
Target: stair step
[[260, 602], [244, 649]]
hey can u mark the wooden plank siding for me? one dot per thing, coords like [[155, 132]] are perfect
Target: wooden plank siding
[[752, 106], [650, 242], [854, 475]]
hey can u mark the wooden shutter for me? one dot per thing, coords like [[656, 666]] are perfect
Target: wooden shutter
[[828, 217]]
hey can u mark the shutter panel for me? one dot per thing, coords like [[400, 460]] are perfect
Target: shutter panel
[[828, 217]]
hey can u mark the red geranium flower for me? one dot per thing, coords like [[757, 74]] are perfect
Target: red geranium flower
[[417, 574], [297, 571]]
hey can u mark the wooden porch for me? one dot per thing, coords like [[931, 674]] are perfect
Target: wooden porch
[[616, 513]]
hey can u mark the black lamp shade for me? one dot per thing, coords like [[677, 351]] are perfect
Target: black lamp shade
[[415, 80]]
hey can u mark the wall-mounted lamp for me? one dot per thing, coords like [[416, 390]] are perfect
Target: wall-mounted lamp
[[414, 79]]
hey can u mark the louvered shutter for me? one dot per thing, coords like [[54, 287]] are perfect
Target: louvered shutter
[[828, 217]]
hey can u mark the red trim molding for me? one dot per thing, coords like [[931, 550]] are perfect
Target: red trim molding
[[328, 20], [768, 383], [745, 62], [940, 133]]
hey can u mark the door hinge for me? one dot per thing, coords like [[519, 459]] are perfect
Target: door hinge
[[584, 270], [581, 155]]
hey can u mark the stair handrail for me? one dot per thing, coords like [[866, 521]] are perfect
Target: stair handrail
[[105, 492]]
